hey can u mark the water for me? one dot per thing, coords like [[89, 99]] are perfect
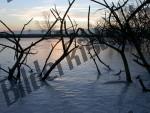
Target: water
[[77, 90]]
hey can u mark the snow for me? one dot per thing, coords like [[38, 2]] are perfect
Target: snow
[[77, 91]]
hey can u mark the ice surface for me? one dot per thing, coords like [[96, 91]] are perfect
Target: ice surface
[[77, 91]]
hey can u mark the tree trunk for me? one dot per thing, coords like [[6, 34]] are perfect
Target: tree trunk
[[12, 70], [126, 66], [53, 66], [142, 58]]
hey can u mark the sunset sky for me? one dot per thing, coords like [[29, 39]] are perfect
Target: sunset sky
[[18, 12]]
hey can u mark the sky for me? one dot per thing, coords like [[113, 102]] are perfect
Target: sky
[[18, 12]]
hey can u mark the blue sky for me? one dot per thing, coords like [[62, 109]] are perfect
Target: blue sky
[[18, 12]]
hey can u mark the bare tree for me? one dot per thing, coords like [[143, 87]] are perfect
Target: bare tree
[[113, 30], [21, 53], [118, 27], [67, 48], [46, 23]]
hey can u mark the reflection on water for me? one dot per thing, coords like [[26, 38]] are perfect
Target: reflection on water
[[77, 91], [42, 50]]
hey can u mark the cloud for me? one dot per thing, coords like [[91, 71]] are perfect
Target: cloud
[[77, 13], [3, 10]]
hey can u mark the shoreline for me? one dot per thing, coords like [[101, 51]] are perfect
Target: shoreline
[[43, 35]]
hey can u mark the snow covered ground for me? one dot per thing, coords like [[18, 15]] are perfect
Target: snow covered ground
[[77, 90]]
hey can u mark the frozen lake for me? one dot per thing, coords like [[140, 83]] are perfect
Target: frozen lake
[[77, 90]]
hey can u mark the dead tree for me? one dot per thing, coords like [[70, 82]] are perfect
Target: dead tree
[[109, 29], [128, 23], [46, 23], [21, 53], [141, 23], [142, 84], [98, 70], [71, 44], [92, 43]]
